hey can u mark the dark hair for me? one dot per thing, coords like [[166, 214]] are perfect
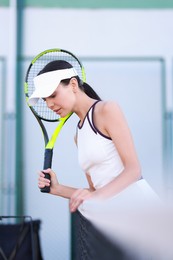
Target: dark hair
[[61, 64]]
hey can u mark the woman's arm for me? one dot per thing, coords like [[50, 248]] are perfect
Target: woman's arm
[[55, 187], [73, 194], [110, 120]]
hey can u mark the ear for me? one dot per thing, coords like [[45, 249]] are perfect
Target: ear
[[74, 84]]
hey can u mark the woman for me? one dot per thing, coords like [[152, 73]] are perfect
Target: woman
[[105, 147]]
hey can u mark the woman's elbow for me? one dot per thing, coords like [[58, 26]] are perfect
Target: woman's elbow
[[137, 172], [134, 170]]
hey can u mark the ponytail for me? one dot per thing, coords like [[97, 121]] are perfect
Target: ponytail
[[89, 91]]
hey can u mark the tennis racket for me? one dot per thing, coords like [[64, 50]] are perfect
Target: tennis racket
[[40, 110]]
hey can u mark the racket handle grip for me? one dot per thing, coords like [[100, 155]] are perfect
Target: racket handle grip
[[47, 164], [46, 189]]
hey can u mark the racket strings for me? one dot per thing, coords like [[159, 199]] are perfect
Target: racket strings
[[41, 108]]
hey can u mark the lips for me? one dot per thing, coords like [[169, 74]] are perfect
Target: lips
[[57, 111]]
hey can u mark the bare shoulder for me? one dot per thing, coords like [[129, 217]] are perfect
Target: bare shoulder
[[108, 114], [109, 108]]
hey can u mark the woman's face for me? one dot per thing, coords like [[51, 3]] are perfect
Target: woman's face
[[63, 99]]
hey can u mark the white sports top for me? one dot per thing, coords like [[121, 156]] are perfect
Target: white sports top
[[97, 153]]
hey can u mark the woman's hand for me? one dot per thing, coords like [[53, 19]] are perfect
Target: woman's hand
[[78, 197], [53, 183]]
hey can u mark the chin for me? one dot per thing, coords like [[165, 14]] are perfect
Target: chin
[[62, 114]]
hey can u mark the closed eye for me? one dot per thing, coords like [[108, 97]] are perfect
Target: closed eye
[[52, 96]]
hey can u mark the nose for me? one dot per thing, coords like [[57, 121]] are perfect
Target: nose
[[49, 103]]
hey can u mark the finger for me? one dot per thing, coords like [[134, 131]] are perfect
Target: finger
[[80, 193], [41, 174], [74, 206], [48, 171], [76, 193], [43, 184], [42, 181], [77, 198]]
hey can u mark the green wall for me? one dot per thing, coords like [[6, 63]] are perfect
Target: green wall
[[4, 2], [142, 4]]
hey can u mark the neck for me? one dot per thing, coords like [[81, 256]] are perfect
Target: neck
[[83, 105]]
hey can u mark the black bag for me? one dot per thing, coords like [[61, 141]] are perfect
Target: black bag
[[20, 241]]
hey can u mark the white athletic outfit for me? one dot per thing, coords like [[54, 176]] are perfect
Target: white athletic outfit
[[99, 158]]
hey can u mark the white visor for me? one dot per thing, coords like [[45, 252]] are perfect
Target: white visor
[[46, 83]]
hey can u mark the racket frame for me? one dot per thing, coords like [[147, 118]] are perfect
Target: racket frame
[[49, 143]]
